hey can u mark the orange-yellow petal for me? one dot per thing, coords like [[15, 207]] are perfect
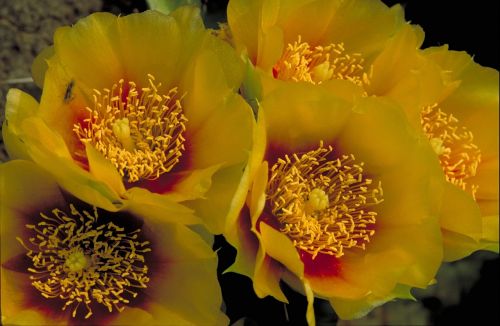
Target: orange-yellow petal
[[15, 208], [19, 106], [189, 269]]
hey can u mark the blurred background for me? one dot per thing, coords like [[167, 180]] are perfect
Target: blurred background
[[467, 291]]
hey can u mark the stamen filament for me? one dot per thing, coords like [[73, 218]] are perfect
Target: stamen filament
[[77, 260], [454, 145], [140, 130], [302, 62], [323, 205]]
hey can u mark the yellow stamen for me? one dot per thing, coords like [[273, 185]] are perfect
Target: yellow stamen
[[302, 62], [78, 260], [454, 144], [322, 204], [140, 132]]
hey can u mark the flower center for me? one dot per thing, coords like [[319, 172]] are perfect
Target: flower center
[[323, 205], [302, 62], [454, 145], [76, 261], [82, 262], [139, 130]]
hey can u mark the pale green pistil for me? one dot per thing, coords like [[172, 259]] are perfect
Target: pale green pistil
[[76, 261], [121, 130], [318, 200]]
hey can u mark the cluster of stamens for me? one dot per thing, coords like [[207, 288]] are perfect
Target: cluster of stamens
[[323, 205], [82, 262], [302, 62], [454, 144], [140, 131]]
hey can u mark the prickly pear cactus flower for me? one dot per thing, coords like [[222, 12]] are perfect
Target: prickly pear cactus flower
[[362, 42], [462, 127], [140, 110], [345, 204], [65, 262]]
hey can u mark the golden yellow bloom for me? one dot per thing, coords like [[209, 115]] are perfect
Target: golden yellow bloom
[[344, 206], [65, 262], [462, 127], [139, 111], [365, 43], [358, 41]]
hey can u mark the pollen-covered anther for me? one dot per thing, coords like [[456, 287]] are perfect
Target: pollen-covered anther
[[454, 145], [302, 62], [324, 205], [139, 130], [81, 261]]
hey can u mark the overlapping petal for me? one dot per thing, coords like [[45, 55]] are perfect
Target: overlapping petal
[[406, 248], [469, 100], [179, 266], [171, 57], [357, 41]]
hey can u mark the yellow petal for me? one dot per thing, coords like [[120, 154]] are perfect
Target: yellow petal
[[39, 135], [26, 191], [364, 26], [13, 143], [475, 101], [377, 133], [189, 268], [142, 52], [75, 180], [239, 235], [266, 277], [132, 316], [270, 48], [310, 307], [258, 195], [18, 107], [487, 180], [489, 239], [310, 115], [208, 83], [490, 228], [301, 18], [103, 170], [96, 37], [457, 246], [460, 213], [243, 19], [32, 317], [416, 264], [193, 184], [225, 136], [214, 208], [239, 225], [351, 309], [285, 252], [157, 207], [63, 102], [11, 282], [403, 74], [40, 65]]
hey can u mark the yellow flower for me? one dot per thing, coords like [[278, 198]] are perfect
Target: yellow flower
[[462, 128], [323, 42], [138, 111], [365, 43], [66, 262], [344, 206]]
